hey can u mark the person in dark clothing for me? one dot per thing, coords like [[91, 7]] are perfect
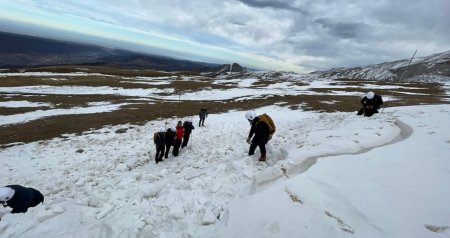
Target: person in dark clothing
[[169, 139], [370, 104], [179, 132], [188, 127], [202, 114], [160, 142], [260, 133], [20, 198]]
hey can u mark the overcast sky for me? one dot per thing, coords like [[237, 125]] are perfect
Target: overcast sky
[[290, 35]]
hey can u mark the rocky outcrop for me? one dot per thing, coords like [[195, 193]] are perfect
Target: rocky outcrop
[[230, 68]]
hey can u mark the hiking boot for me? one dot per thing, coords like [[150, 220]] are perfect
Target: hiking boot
[[262, 158]]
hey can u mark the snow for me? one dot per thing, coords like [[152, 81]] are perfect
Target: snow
[[85, 90], [38, 114], [327, 175], [24, 104]]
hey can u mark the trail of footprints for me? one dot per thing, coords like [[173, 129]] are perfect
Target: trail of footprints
[[344, 226]]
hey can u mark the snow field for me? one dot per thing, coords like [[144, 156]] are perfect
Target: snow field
[[104, 184]]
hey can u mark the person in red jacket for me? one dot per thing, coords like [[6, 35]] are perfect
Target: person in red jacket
[[179, 136]]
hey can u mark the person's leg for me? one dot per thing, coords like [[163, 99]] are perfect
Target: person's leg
[[161, 155], [360, 112], [167, 151], [185, 140], [157, 154], [369, 113], [176, 148], [251, 151], [262, 149]]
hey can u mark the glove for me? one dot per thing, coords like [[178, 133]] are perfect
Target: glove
[[249, 141]]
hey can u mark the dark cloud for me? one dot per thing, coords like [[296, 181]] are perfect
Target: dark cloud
[[341, 29], [284, 5]]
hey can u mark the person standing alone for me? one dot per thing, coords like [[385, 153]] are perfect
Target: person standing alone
[[203, 114], [261, 131]]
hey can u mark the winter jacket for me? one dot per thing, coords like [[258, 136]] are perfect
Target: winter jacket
[[179, 132], [169, 138], [375, 102], [188, 127], [24, 198], [203, 113], [159, 139], [260, 130]]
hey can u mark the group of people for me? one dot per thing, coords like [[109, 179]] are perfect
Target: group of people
[[177, 138], [261, 130]]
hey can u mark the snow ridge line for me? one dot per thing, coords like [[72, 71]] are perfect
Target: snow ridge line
[[264, 178]]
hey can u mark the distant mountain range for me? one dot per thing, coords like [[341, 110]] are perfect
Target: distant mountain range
[[21, 51], [431, 68]]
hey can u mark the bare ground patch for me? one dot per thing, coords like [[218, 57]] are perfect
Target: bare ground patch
[[142, 110]]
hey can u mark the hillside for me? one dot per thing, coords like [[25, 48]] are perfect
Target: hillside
[[21, 51]]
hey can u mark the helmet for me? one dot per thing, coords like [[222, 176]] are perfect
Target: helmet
[[370, 95], [250, 115], [6, 193]]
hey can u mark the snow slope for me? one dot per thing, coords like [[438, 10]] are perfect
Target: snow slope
[[328, 175]]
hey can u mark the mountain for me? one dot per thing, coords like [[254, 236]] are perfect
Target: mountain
[[230, 68], [435, 67], [21, 51]]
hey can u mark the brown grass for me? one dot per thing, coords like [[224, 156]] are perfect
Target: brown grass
[[139, 111]]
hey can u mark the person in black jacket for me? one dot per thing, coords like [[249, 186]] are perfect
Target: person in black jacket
[[20, 198], [202, 114], [188, 127], [169, 139], [160, 142], [260, 133], [370, 104]]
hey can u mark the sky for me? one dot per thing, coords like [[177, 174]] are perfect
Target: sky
[[299, 36]]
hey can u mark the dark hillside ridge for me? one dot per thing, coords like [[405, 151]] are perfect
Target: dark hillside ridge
[[22, 51]]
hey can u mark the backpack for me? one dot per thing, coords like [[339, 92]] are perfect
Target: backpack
[[269, 122], [158, 136]]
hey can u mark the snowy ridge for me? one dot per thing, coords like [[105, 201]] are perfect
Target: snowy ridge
[[301, 164], [431, 68]]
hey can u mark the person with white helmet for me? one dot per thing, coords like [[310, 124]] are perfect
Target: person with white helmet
[[370, 104], [260, 133], [20, 198]]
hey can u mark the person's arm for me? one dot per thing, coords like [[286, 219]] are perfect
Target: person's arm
[[380, 99], [251, 133], [363, 101]]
